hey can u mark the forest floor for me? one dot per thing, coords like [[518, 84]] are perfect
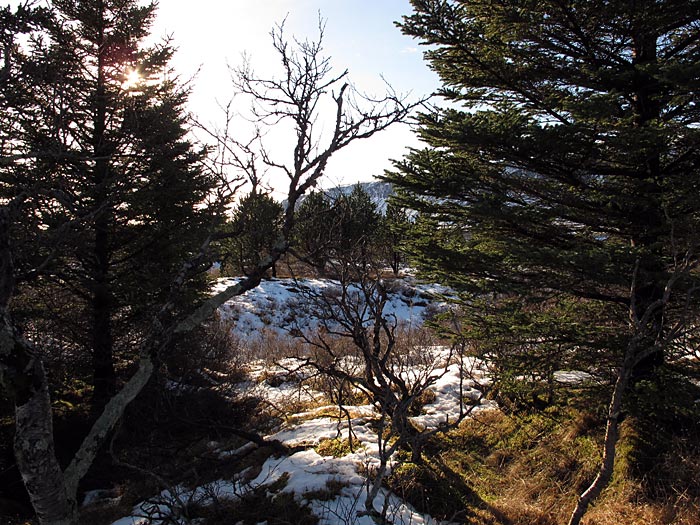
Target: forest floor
[[180, 457], [498, 467], [332, 450]]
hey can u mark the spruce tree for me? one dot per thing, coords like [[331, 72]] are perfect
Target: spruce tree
[[336, 228], [395, 225], [315, 229], [358, 230], [255, 229], [113, 183], [559, 189], [562, 173]]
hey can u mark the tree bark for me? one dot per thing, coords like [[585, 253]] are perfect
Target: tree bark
[[611, 435], [638, 349], [110, 416], [23, 376], [35, 455], [650, 218], [104, 374]]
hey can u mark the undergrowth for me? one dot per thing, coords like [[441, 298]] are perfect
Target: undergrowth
[[529, 468], [266, 504]]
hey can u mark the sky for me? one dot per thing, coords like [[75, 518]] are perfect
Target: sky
[[211, 36], [360, 36]]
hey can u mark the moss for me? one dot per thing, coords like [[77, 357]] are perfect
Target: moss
[[337, 448], [626, 451]]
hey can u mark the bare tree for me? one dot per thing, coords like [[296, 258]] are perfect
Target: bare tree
[[392, 375], [297, 96]]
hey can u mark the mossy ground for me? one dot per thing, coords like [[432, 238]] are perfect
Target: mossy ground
[[528, 469]]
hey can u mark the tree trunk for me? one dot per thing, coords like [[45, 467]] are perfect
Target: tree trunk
[[36, 458], [650, 217], [374, 489], [112, 413], [22, 376], [396, 263], [104, 375], [611, 435]]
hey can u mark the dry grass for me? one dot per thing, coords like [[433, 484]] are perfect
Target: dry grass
[[529, 470], [269, 346]]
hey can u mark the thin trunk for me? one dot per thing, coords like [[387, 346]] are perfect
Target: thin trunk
[[611, 435], [647, 368], [396, 263], [104, 375], [375, 488], [110, 416]]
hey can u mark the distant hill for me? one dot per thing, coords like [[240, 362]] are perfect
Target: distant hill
[[378, 191]]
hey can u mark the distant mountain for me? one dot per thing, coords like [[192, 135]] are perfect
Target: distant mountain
[[378, 191]]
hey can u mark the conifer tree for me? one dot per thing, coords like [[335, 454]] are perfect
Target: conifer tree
[[102, 118], [296, 96], [358, 221], [562, 179], [314, 230], [574, 164], [338, 227], [394, 229], [255, 228]]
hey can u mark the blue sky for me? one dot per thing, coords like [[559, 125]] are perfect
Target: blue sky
[[360, 35]]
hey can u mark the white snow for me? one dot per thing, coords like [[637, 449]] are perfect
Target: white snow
[[573, 377], [307, 472], [276, 305], [449, 388]]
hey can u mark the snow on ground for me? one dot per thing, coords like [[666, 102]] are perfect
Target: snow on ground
[[281, 384], [572, 377], [450, 387], [306, 473], [278, 304]]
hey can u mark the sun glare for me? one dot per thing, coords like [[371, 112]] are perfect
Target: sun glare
[[132, 79]]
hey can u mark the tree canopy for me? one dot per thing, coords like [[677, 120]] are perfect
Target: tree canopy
[[105, 212], [558, 189], [112, 186], [255, 228], [566, 158], [558, 186]]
